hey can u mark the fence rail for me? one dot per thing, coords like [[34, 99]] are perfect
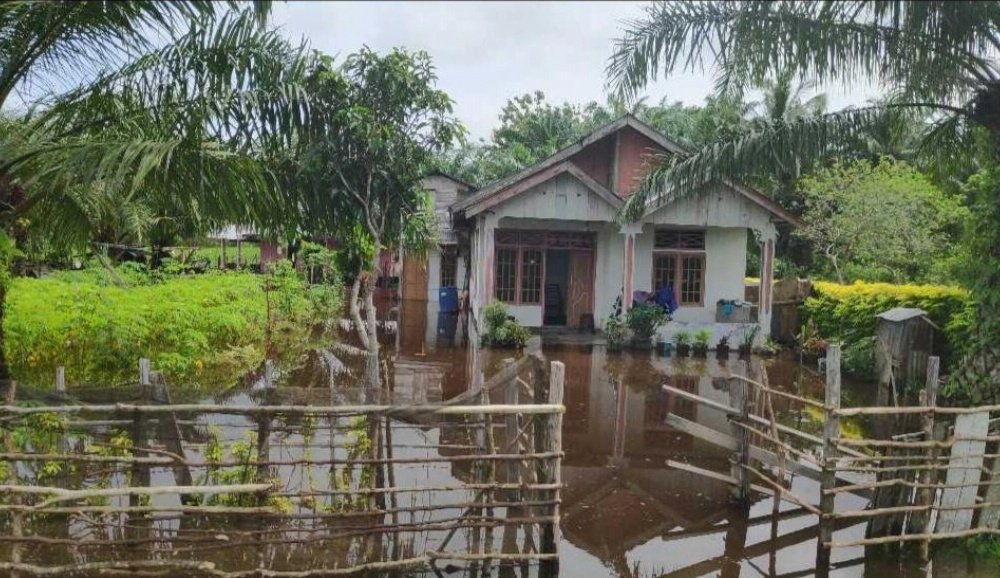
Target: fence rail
[[150, 486]]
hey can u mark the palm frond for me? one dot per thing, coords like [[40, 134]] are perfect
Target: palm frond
[[922, 47], [768, 149]]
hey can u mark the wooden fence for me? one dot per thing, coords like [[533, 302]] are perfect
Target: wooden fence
[[149, 487], [938, 482]]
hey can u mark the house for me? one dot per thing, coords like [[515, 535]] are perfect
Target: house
[[447, 265], [546, 241]]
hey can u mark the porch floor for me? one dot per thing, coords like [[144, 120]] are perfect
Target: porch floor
[[568, 336]]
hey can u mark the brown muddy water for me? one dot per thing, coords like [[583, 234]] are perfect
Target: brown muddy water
[[625, 513]]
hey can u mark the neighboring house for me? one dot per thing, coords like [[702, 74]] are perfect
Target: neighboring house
[[545, 241], [447, 265]]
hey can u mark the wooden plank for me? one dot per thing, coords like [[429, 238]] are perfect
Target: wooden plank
[[769, 458], [831, 432], [990, 517], [964, 468]]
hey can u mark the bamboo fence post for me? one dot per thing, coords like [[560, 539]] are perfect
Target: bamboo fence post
[[16, 519], [553, 443], [831, 432], [511, 433], [263, 454], [923, 522], [61, 379], [144, 371], [739, 399]]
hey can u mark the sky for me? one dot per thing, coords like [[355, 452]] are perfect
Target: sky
[[488, 52]]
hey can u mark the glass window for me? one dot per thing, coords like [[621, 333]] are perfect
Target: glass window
[[505, 275], [664, 271], [692, 276], [531, 276], [449, 269]]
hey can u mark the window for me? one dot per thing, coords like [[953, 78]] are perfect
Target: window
[[679, 262], [531, 276], [506, 275], [449, 268]]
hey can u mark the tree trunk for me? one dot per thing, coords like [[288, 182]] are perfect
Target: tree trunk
[[372, 379]]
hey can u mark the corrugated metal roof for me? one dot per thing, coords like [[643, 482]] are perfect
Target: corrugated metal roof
[[897, 314]]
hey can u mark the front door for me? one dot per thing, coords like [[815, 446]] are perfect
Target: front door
[[580, 297]]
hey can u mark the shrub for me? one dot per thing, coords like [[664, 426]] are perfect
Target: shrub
[[682, 337], [614, 331], [203, 329], [501, 330], [702, 337], [847, 312], [645, 319]]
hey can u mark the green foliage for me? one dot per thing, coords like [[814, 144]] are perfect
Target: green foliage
[[880, 221], [682, 337], [847, 312], [645, 319], [191, 327], [501, 331], [702, 337], [615, 331]]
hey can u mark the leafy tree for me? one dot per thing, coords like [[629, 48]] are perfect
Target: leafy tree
[[880, 221], [936, 56], [378, 120], [185, 124]]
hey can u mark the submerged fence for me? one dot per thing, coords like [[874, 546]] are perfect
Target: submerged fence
[[148, 487], [940, 481]]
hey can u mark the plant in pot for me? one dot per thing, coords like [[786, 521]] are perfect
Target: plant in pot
[[615, 333], [701, 339], [644, 320], [722, 347], [746, 342], [501, 330], [683, 340]]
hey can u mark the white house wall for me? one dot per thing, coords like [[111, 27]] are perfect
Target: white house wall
[[434, 273]]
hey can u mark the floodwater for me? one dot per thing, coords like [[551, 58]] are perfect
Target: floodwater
[[625, 512]]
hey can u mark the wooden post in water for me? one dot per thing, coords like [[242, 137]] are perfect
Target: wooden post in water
[[553, 467], [831, 432], [61, 379], [739, 399], [144, 371], [511, 437], [16, 517], [923, 522]]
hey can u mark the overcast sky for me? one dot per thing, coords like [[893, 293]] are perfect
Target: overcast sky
[[487, 52]]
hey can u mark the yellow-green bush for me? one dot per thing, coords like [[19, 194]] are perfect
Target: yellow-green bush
[[197, 329], [847, 312]]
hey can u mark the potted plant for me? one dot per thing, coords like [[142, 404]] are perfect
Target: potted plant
[[502, 330], [644, 320], [749, 336], [683, 340], [722, 347], [615, 333], [701, 339]]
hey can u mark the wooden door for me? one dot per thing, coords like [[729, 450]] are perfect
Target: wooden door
[[580, 298], [414, 283]]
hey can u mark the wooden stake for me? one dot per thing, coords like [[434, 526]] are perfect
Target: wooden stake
[[831, 432], [61, 379], [553, 438], [923, 522]]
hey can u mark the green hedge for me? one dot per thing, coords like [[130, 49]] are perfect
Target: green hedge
[[847, 312]]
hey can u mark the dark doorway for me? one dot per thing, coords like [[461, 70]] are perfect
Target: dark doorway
[[556, 286]]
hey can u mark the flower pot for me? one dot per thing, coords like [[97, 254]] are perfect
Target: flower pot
[[665, 348], [745, 351], [683, 350], [700, 351], [722, 351]]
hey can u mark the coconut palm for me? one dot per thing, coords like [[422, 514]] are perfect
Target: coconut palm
[[938, 57], [165, 104]]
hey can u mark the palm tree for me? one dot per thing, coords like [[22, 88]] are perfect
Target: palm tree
[[938, 57], [167, 104]]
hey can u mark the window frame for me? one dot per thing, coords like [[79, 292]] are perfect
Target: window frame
[[451, 256], [677, 275]]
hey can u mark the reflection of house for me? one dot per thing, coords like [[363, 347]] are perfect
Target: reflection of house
[[545, 241]]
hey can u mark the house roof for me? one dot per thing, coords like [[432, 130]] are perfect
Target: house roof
[[449, 176], [487, 196]]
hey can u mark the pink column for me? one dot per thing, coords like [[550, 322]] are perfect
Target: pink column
[[628, 279], [487, 293]]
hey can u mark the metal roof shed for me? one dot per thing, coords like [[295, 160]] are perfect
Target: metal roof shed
[[904, 339]]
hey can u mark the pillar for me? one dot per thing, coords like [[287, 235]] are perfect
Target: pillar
[[629, 233], [487, 263], [766, 275]]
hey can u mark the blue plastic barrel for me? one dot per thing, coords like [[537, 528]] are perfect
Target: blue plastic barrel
[[448, 299]]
